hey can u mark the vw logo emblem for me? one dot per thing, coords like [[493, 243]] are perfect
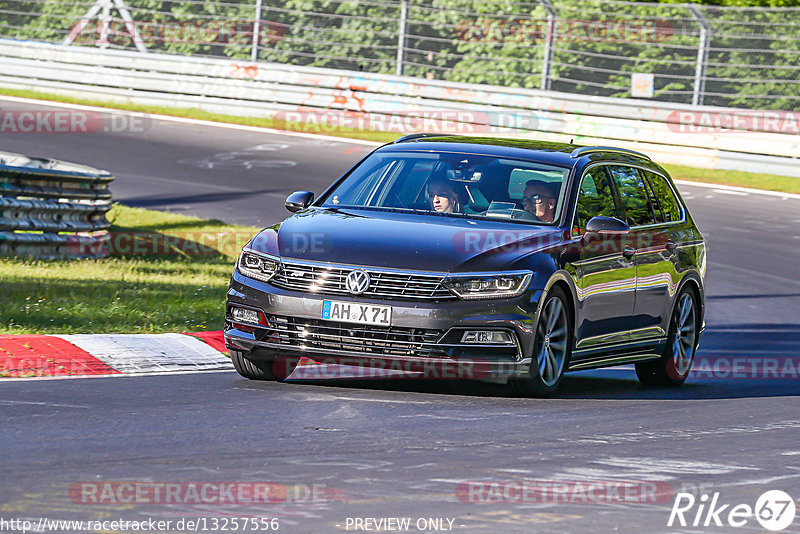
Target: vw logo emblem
[[357, 282]]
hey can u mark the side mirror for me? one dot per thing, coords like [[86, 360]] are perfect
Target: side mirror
[[299, 200], [606, 226]]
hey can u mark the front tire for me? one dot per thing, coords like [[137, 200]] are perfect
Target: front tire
[[273, 370], [675, 363], [552, 348]]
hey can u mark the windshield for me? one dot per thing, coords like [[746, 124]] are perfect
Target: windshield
[[455, 184]]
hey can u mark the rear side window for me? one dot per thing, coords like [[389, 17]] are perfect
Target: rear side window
[[594, 198], [633, 193], [663, 198]]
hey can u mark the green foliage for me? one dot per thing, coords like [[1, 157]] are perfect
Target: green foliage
[[496, 42], [753, 62], [345, 35], [165, 26]]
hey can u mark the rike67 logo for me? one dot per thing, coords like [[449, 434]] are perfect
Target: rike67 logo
[[774, 510]]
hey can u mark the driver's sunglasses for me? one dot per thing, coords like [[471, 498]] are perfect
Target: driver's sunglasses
[[533, 199]]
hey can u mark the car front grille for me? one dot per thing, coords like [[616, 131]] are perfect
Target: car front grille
[[330, 280], [337, 336]]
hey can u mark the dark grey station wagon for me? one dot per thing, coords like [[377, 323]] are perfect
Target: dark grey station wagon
[[494, 259]]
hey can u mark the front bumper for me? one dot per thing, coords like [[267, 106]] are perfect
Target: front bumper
[[424, 338]]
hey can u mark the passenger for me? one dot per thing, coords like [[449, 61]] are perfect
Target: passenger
[[539, 198], [443, 197]]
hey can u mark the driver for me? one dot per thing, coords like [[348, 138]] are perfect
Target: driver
[[443, 197], [539, 198]]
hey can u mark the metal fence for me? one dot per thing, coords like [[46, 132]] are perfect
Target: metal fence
[[319, 100], [682, 53]]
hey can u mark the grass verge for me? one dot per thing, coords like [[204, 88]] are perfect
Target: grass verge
[[168, 273], [769, 182]]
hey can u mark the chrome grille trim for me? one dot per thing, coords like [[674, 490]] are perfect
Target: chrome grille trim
[[327, 279], [333, 335]]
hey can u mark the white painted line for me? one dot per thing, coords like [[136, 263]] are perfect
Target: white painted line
[[747, 190], [729, 192], [51, 404], [677, 467], [325, 397], [149, 353], [186, 120]]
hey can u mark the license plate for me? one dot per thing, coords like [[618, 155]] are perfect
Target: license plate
[[353, 312]]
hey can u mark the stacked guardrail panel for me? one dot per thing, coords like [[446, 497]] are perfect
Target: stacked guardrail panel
[[51, 208]]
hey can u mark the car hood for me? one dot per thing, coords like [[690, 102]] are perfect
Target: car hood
[[403, 240]]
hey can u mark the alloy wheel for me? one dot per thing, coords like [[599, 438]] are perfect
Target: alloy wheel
[[685, 334], [552, 337]]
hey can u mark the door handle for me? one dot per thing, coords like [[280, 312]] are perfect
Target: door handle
[[628, 252]]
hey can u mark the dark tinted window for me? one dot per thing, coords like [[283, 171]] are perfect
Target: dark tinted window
[[480, 185], [633, 194], [663, 197], [594, 198]]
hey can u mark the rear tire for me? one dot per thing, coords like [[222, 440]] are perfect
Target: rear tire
[[252, 369], [675, 363], [552, 348]]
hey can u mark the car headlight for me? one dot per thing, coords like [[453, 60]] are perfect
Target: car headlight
[[258, 265], [488, 286]]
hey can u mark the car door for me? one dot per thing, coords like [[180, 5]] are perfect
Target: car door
[[659, 273], [651, 248], [605, 278]]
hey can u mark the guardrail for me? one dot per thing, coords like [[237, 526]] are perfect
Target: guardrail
[[720, 138], [51, 208]]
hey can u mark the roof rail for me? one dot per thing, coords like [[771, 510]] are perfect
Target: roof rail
[[578, 152], [414, 137]]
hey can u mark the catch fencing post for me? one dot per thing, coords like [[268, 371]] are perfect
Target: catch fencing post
[[401, 37], [702, 56], [547, 61], [256, 32]]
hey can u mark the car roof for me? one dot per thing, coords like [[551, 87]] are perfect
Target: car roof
[[563, 154]]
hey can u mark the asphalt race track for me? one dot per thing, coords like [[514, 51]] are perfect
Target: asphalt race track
[[346, 450]]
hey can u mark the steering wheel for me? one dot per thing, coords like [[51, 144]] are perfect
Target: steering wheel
[[526, 216]]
